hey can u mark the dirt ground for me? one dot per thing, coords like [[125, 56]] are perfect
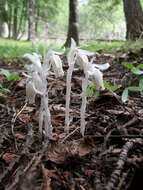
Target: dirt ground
[[110, 156]]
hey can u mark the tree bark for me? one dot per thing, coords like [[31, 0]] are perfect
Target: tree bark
[[73, 23], [15, 21], [3, 16], [31, 20], [10, 10], [134, 19]]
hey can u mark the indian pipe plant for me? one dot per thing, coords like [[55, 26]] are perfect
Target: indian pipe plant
[[37, 82], [91, 71]]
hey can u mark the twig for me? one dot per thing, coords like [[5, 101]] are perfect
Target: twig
[[116, 136], [70, 134], [15, 116], [13, 123], [120, 164]]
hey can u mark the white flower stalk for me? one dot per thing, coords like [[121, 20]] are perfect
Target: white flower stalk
[[37, 84], [91, 71], [71, 57], [83, 105]]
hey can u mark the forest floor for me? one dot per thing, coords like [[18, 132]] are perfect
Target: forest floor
[[110, 156]]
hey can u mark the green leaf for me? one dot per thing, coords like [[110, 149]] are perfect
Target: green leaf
[[90, 89], [141, 83], [140, 66], [10, 76], [136, 71], [134, 88], [125, 95], [3, 90], [128, 65], [4, 72], [109, 86], [13, 77]]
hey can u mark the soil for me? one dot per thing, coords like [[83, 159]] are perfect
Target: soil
[[108, 157]]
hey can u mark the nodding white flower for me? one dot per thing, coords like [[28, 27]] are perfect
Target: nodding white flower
[[92, 71], [56, 65], [102, 67], [34, 58], [38, 82], [82, 60], [97, 77], [31, 92], [53, 60]]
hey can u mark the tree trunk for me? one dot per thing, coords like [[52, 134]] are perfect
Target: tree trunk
[[37, 19], [3, 16], [31, 20], [134, 19], [9, 20], [15, 21], [73, 23]]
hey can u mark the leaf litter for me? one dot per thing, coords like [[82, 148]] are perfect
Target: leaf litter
[[108, 157]]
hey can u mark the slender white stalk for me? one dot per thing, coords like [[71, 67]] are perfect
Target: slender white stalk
[[68, 92], [47, 117], [83, 105]]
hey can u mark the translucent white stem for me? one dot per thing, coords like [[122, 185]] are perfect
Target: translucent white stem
[[45, 117], [68, 91], [83, 105]]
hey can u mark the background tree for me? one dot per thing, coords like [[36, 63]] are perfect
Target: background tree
[[31, 19], [3, 16], [73, 23], [134, 19]]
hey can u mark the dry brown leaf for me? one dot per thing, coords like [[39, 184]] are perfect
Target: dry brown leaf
[[8, 157], [56, 152], [25, 118], [19, 136], [79, 147]]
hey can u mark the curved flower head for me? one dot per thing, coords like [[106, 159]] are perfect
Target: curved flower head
[[31, 92], [97, 77], [34, 58], [102, 67], [53, 60], [38, 82], [82, 60]]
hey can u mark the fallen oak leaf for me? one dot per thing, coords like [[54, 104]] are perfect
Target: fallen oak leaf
[[56, 152], [19, 136], [8, 157]]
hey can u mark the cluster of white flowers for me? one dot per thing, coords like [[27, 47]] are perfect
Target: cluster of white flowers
[[37, 84], [91, 71]]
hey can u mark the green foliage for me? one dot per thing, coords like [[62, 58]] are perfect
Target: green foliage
[[14, 49], [110, 87], [99, 18], [3, 90], [91, 89], [108, 47], [10, 76], [136, 70]]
